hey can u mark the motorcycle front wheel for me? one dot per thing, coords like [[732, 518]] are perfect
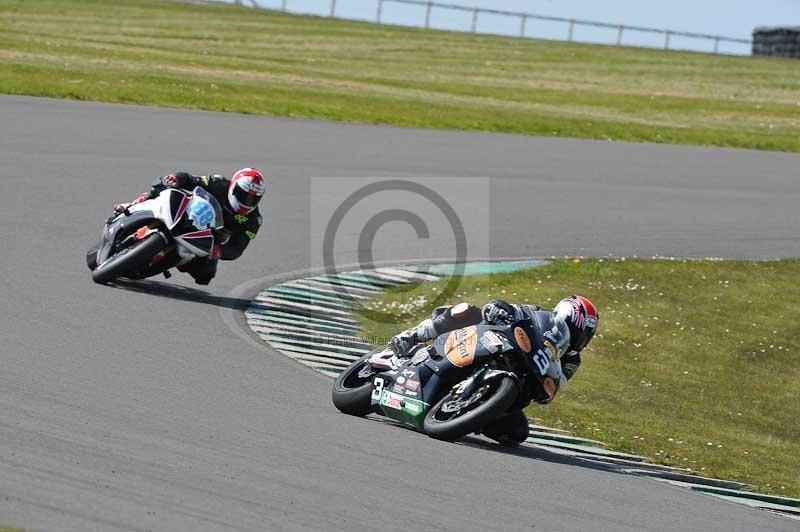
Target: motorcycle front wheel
[[91, 257], [129, 260], [454, 416]]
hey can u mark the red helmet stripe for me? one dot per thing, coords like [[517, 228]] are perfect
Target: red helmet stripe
[[589, 306]]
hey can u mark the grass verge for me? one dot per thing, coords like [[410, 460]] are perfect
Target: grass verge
[[231, 58], [696, 363]]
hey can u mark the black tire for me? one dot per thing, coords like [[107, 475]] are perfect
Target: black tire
[[352, 389], [129, 260], [91, 257], [498, 397]]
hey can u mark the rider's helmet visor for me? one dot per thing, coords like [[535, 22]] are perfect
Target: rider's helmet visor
[[246, 198]]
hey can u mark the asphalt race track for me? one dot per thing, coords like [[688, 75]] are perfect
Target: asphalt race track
[[148, 409]]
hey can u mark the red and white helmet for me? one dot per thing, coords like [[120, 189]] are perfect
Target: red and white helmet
[[245, 191], [581, 318]]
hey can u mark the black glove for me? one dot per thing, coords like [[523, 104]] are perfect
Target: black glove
[[222, 236], [402, 343], [121, 207], [176, 180], [498, 312]]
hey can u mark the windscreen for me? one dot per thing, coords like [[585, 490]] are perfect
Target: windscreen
[[204, 210]]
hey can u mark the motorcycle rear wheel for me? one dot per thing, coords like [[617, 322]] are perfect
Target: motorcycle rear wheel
[[491, 401], [129, 260], [352, 389]]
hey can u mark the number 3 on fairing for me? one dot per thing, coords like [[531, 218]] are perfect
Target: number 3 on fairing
[[378, 389], [542, 361]]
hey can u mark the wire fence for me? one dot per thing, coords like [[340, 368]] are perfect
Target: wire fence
[[523, 18]]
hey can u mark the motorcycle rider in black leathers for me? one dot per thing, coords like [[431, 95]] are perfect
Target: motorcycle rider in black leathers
[[239, 197], [566, 330]]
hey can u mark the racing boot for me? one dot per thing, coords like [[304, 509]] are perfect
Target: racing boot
[[509, 430], [202, 269]]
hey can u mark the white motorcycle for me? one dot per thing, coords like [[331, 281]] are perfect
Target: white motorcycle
[[155, 235]]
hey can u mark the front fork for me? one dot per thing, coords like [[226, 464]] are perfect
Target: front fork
[[483, 376]]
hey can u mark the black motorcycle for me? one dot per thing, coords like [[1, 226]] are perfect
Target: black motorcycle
[[456, 386]]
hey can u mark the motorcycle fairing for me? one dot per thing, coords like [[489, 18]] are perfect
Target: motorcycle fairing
[[461, 345], [120, 227], [168, 206], [400, 393], [194, 233], [171, 206], [198, 242], [493, 340], [463, 348]]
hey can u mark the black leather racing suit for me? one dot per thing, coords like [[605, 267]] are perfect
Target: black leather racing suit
[[235, 237], [513, 427]]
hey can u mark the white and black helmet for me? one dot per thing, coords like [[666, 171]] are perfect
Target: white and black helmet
[[581, 318]]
